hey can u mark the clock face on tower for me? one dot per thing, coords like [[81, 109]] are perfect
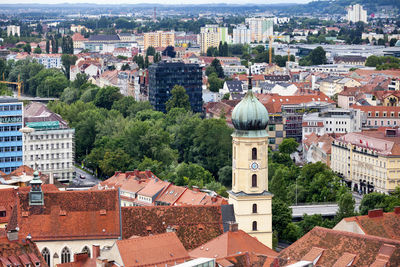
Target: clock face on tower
[[254, 166]]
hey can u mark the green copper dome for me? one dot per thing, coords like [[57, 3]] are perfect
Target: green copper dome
[[250, 114]]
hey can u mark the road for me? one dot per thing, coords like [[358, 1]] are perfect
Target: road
[[89, 180]]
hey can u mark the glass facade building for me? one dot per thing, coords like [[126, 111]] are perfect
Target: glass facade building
[[163, 76], [11, 120]]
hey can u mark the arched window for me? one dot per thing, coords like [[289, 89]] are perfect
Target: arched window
[[254, 208], [65, 255], [254, 180], [254, 153], [254, 226], [46, 255], [86, 250]]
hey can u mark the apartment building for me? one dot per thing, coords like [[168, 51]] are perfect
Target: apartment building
[[379, 116], [260, 28], [159, 39], [332, 121], [368, 161], [49, 144], [356, 13], [241, 35], [13, 30], [211, 36], [11, 112]]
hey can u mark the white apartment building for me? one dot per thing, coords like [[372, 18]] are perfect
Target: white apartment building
[[49, 61], [241, 35], [356, 13], [260, 28], [332, 121], [50, 149], [13, 30], [229, 70]]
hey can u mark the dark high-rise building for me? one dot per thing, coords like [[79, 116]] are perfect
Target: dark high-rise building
[[163, 76]]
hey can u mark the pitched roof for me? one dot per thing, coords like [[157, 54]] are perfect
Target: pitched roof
[[386, 225], [8, 199], [69, 215], [194, 225], [20, 251], [230, 243], [36, 111], [246, 259], [335, 247], [161, 249]]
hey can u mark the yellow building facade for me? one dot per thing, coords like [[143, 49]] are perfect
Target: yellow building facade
[[251, 200], [368, 161], [158, 39]]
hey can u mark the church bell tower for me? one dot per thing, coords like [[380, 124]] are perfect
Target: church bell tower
[[250, 197]]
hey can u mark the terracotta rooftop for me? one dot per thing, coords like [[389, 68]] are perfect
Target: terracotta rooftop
[[378, 111], [338, 248], [246, 259], [231, 243], [194, 225], [68, 215], [386, 225], [162, 249], [8, 199], [19, 253]]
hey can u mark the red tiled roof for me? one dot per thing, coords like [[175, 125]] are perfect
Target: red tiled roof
[[194, 225], [337, 246], [379, 110], [69, 215], [247, 259], [15, 252], [387, 225], [153, 187], [8, 199], [171, 194], [231, 243], [161, 249]]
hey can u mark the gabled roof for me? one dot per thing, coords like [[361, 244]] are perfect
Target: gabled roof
[[194, 225], [246, 259], [386, 224], [234, 86], [153, 187], [231, 243], [162, 249], [19, 252], [68, 215], [335, 247], [8, 199], [36, 111]]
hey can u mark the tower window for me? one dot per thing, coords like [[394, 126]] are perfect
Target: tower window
[[254, 153], [254, 226], [254, 208], [254, 180]]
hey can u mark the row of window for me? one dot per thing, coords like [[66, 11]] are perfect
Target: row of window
[[384, 114], [382, 123], [8, 169], [10, 159], [65, 254], [50, 156], [10, 107], [10, 128], [10, 149], [10, 138], [48, 146], [48, 136]]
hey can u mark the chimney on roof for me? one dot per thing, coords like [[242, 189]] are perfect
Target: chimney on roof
[[148, 173], [136, 172], [233, 226], [81, 257], [96, 251], [375, 213], [397, 210], [12, 235], [51, 178]]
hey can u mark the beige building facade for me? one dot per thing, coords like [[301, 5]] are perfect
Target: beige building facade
[[158, 39]]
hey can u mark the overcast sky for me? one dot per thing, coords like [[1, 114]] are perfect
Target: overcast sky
[[153, 1]]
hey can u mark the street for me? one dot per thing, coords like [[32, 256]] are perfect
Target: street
[[89, 180]]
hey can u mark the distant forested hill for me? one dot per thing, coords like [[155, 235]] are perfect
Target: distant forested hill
[[339, 6]]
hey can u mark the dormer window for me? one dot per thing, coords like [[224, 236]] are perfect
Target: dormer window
[[3, 213]]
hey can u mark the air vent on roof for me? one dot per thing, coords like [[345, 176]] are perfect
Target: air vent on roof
[[103, 212], [63, 212], [25, 214]]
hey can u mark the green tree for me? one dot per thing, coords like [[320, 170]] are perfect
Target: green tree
[[179, 99], [27, 48], [288, 146], [151, 51], [373, 61], [106, 97], [67, 61], [278, 185], [37, 50], [157, 58], [346, 206], [194, 172], [225, 175], [47, 46], [393, 42], [226, 96], [114, 160], [218, 68], [70, 95], [281, 216], [215, 83], [50, 83], [318, 56], [292, 232]]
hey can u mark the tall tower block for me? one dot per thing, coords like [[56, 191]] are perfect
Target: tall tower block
[[250, 197]]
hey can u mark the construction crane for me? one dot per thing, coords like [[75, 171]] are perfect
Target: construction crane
[[18, 84], [271, 41]]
